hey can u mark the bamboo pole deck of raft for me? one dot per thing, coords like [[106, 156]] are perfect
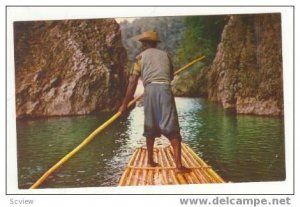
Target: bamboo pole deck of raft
[[138, 173]]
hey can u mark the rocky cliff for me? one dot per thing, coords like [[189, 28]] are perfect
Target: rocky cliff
[[192, 83], [68, 67], [246, 74]]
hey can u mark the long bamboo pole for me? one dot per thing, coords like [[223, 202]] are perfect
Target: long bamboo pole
[[97, 131]]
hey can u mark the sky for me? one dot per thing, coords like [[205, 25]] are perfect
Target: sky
[[123, 19]]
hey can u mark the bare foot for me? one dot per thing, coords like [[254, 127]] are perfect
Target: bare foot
[[153, 164], [183, 170]]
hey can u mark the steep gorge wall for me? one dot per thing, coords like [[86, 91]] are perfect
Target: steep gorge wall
[[191, 83], [68, 67], [246, 74]]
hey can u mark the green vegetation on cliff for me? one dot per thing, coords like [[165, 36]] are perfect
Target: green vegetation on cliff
[[201, 37]]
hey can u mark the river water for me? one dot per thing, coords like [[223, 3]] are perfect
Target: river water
[[241, 148]]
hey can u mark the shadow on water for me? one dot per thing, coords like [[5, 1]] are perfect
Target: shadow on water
[[241, 148], [42, 142]]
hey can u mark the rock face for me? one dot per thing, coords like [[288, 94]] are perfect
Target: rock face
[[68, 67], [246, 74], [192, 83]]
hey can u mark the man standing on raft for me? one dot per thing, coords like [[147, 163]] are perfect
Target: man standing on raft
[[156, 71]]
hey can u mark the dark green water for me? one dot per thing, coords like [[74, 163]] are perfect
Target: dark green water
[[241, 148]]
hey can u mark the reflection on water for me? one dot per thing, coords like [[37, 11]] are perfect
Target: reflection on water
[[241, 148]]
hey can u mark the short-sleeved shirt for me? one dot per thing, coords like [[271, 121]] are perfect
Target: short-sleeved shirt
[[153, 65]]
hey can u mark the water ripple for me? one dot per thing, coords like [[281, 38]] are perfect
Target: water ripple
[[241, 148]]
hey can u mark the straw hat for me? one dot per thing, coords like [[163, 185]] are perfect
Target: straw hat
[[147, 36]]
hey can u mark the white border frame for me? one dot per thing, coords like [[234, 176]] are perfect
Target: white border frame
[[55, 13]]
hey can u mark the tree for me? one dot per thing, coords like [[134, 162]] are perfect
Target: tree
[[201, 37]]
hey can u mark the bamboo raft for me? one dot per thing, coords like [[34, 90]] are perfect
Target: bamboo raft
[[138, 172]]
